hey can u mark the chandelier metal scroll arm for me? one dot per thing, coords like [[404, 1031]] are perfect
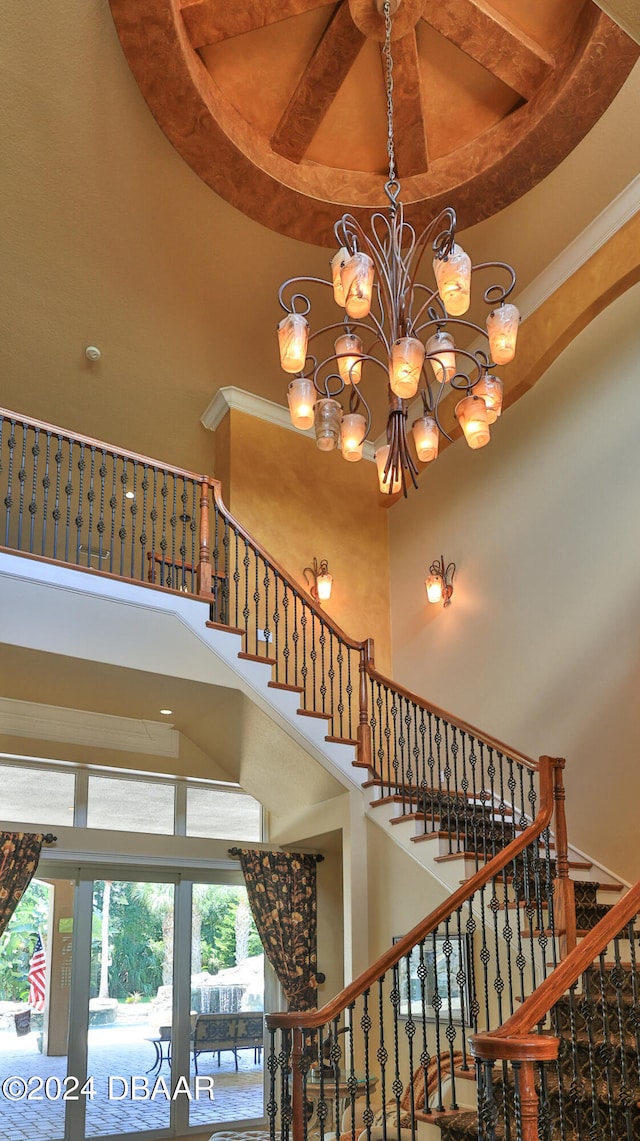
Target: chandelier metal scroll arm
[[351, 235], [355, 400], [290, 308], [496, 294], [443, 242]]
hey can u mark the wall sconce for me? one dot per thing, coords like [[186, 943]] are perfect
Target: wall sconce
[[320, 590], [439, 584]]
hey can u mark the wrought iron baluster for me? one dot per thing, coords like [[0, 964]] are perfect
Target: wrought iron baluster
[[167, 572], [100, 525], [68, 492], [8, 499], [90, 498], [450, 1028], [436, 1004], [153, 516], [276, 623], [323, 680], [133, 511], [462, 982], [256, 600], [245, 610], [286, 651], [272, 1101], [22, 474], [113, 503], [304, 668], [382, 1053], [236, 578], [194, 527], [487, 1108], [350, 725], [122, 530], [425, 1056], [313, 654], [267, 630], [56, 513], [295, 638], [79, 520], [365, 1026], [143, 527], [46, 484], [33, 506], [336, 731]]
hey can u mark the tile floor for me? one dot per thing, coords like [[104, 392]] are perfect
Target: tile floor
[[120, 1053]]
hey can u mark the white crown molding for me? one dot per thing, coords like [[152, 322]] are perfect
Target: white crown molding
[[81, 727], [592, 238], [573, 256], [266, 410]]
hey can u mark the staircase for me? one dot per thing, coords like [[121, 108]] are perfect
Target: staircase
[[514, 959]]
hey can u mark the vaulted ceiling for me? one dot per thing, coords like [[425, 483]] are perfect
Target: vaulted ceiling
[[279, 105]]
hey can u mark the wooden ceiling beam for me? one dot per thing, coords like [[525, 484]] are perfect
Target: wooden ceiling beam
[[493, 41], [211, 21], [408, 116], [322, 78]]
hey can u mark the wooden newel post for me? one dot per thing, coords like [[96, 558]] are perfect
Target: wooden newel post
[[564, 902], [204, 565], [299, 1108], [528, 1102], [364, 727]]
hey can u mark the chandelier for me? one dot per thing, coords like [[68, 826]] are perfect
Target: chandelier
[[406, 328]]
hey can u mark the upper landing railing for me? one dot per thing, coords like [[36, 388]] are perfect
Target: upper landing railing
[[82, 502]]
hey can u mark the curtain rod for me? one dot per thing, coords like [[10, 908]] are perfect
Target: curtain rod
[[318, 857]]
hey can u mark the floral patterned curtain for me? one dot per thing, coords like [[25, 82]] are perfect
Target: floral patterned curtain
[[19, 855], [282, 894]]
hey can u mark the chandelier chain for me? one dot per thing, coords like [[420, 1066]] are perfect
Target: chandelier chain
[[393, 182]]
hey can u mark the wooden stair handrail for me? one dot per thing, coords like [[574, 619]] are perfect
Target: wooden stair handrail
[[313, 605], [535, 1008], [492, 742], [113, 449], [309, 1019], [365, 647]]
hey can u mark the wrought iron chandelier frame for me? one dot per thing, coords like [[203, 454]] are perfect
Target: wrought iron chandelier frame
[[402, 307]]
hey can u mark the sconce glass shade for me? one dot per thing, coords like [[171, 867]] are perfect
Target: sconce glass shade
[[324, 582], [453, 277], [301, 398], [384, 484], [434, 588], [328, 415], [348, 350], [356, 276], [472, 416], [293, 335], [490, 389], [444, 364], [337, 262], [502, 329], [426, 438], [352, 435], [405, 366]]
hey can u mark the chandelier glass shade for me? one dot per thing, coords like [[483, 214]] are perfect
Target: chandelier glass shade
[[411, 330]]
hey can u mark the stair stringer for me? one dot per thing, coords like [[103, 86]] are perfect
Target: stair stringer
[[59, 626]]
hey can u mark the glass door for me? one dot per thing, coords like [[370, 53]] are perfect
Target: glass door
[[130, 1006], [226, 1008], [35, 988]]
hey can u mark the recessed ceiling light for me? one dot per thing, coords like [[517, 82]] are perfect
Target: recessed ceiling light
[[129, 495], [167, 712]]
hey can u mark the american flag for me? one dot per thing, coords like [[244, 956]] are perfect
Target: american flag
[[37, 976]]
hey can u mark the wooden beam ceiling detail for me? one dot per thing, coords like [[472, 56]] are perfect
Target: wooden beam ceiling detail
[[211, 21], [323, 76], [409, 129], [493, 41]]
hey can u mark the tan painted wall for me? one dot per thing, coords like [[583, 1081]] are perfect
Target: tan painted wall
[[540, 645], [299, 503], [401, 892]]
